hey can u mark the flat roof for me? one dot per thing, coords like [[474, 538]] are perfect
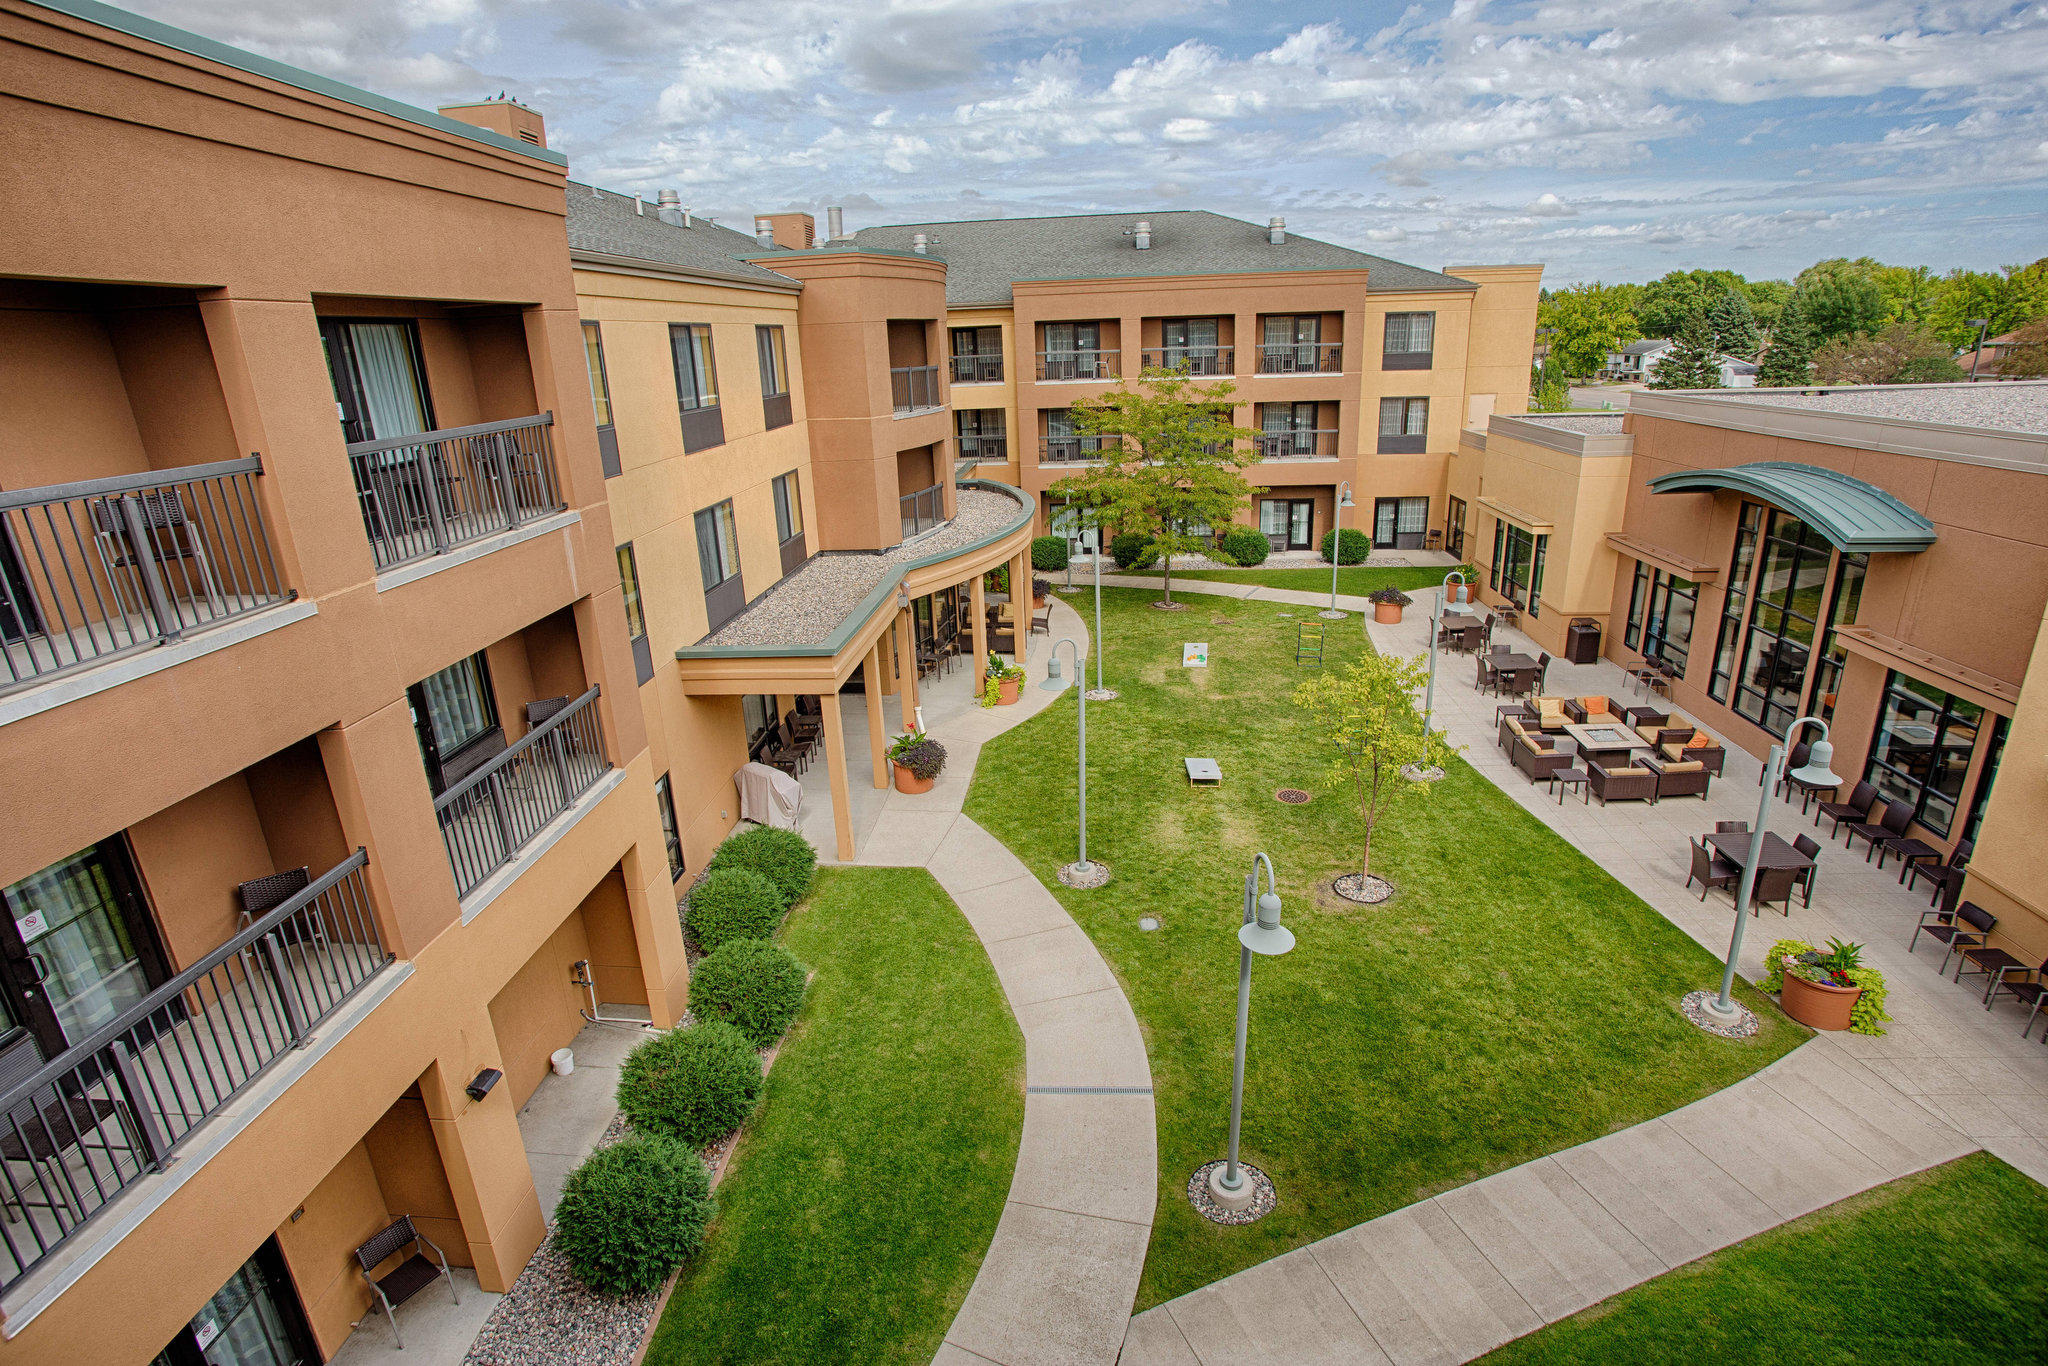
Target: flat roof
[[1592, 424], [2007, 405]]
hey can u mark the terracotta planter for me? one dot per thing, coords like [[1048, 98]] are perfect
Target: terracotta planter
[[1006, 692], [1387, 613], [909, 782], [1818, 1005]]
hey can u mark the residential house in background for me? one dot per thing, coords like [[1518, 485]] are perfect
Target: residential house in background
[[1638, 361]]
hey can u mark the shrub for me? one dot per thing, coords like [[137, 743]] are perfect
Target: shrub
[[1245, 545], [755, 984], [1392, 597], [696, 1085], [1129, 550], [1049, 552], [734, 903], [633, 1213], [918, 752], [1354, 545], [784, 857]]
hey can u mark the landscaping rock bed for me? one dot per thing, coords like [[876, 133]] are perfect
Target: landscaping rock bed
[[1082, 879], [1366, 891], [1264, 1200]]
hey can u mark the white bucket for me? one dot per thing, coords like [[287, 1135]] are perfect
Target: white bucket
[[563, 1061]]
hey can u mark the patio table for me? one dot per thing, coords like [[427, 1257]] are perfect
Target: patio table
[[1777, 851], [1511, 662], [1606, 739]]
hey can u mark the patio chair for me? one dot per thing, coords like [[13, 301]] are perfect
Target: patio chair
[[2027, 992], [1886, 825], [1680, 777], [1967, 926], [260, 895], [410, 1276], [1489, 677], [1774, 885], [1944, 874], [1620, 784], [1731, 827], [1542, 669], [1809, 846], [1535, 754], [1801, 752], [167, 535], [1709, 869], [1861, 798], [1041, 622], [1993, 962], [805, 721], [545, 708]]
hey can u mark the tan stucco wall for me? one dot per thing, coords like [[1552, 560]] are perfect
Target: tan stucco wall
[[1022, 447], [1579, 497], [2009, 868]]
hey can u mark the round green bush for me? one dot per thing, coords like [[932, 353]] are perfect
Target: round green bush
[[755, 984], [1245, 545], [633, 1213], [1128, 549], [1049, 552], [734, 903], [696, 1084], [784, 857], [1356, 546]]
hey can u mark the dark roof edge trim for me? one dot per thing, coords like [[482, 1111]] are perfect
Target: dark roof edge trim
[[640, 265], [1886, 524]]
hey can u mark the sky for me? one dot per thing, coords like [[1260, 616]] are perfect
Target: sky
[[1607, 139]]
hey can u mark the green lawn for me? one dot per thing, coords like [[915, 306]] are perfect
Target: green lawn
[[1352, 579], [1512, 1000], [1950, 1265], [866, 1188]]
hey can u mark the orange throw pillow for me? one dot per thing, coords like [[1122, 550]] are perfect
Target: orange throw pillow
[[1593, 706], [1700, 740]]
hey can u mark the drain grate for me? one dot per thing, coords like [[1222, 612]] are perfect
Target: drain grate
[[1292, 796]]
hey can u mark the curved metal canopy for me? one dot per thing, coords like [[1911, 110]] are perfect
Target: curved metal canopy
[[1851, 514]]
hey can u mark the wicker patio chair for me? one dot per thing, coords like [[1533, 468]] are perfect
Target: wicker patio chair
[[1709, 869], [410, 1276]]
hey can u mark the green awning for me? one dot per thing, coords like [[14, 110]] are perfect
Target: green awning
[[1851, 514]]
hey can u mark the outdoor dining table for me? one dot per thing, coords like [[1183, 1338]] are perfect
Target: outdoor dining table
[[1777, 851], [1511, 661]]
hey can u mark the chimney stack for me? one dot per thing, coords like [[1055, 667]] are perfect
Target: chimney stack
[[764, 232], [920, 243], [1276, 231], [671, 208], [835, 224], [1141, 236]]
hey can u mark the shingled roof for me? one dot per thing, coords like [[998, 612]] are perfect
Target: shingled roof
[[604, 223], [985, 257]]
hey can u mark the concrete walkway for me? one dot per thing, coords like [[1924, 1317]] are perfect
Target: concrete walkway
[[1057, 1283]]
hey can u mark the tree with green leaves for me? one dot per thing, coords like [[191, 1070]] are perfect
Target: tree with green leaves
[[1733, 325], [1767, 300], [1897, 354], [1670, 302], [1692, 362], [1839, 298], [1365, 717], [2027, 356], [1788, 361], [1589, 320], [1172, 460], [2005, 299], [1549, 390]]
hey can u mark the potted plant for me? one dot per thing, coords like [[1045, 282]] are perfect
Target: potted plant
[[1828, 989], [1387, 604], [1002, 682], [1039, 588], [1469, 592], [918, 760]]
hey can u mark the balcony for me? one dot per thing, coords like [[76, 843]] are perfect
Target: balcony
[[1300, 443], [985, 450], [1071, 450], [977, 369], [915, 389], [1302, 358], [496, 811], [922, 510], [428, 493], [1083, 365], [106, 567], [111, 1110], [1192, 360]]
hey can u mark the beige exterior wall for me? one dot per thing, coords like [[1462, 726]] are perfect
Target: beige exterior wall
[[1020, 446], [2009, 869]]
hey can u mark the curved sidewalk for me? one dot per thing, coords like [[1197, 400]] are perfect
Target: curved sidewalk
[[1060, 1275]]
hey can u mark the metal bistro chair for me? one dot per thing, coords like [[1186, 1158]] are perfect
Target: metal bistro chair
[[1966, 927], [167, 534], [410, 1276], [1942, 875], [1810, 847]]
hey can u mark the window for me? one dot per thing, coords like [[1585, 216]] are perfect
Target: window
[[981, 434], [1660, 614], [1921, 750], [1732, 607], [1291, 343], [696, 385], [1843, 601], [671, 838], [718, 560], [454, 714], [593, 359], [1992, 754], [1404, 426], [774, 362], [1454, 527], [977, 355], [1784, 610], [1074, 351], [629, 584], [1191, 343], [1400, 523], [1410, 341], [1063, 442], [1518, 566], [757, 713], [789, 508]]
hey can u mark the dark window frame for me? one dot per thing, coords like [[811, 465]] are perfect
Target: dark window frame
[[1454, 526], [1887, 768], [697, 399], [446, 766], [671, 833], [634, 600], [601, 398], [1775, 704], [1735, 602], [724, 596], [1404, 441], [1407, 358]]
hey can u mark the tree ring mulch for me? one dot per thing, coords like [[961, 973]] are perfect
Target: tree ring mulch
[[1083, 876], [1695, 1007], [1331, 614], [1168, 606], [1366, 891], [1102, 694], [1291, 796], [1264, 1197], [1413, 774]]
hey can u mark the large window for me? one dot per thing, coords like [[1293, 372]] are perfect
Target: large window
[[1404, 426], [789, 508], [1660, 615], [696, 385], [1454, 528], [1921, 750], [1410, 341], [454, 714], [671, 837], [1517, 569], [629, 586], [1848, 593], [1778, 646], [981, 435], [757, 713], [1982, 796], [977, 355], [718, 560], [1747, 529], [774, 361], [600, 388]]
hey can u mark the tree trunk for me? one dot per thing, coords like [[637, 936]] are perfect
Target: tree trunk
[[1168, 567]]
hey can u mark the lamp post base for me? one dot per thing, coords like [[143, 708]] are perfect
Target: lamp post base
[[1252, 1201], [1702, 1008], [1102, 694], [1082, 876], [1332, 614]]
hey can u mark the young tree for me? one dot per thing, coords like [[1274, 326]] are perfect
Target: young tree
[[1838, 298], [1175, 461], [1366, 716], [1788, 361], [1899, 354], [1590, 321], [1733, 325], [1691, 363], [1549, 391]]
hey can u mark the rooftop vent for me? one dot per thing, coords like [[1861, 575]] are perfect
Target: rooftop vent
[[1140, 235], [764, 232], [1276, 231], [835, 224], [671, 209], [920, 243]]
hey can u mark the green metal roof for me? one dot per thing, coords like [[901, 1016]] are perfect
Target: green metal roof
[[1851, 514]]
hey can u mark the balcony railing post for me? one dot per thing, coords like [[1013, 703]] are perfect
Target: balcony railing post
[[142, 554], [430, 489], [508, 494]]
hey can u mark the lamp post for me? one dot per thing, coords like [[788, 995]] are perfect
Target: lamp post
[[1723, 1009], [1101, 693], [1260, 933], [1977, 353], [1337, 546], [1068, 507], [1436, 626], [1083, 872]]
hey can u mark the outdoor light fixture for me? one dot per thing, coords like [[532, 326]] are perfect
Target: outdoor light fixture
[[1337, 546], [1436, 626], [1261, 933], [1056, 681], [483, 1082], [1977, 352], [1815, 772]]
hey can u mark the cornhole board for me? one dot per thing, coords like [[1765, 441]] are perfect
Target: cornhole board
[[1203, 773], [1194, 654]]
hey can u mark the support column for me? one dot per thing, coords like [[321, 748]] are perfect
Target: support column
[[977, 612], [484, 1160], [835, 762], [906, 665], [871, 671], [1020, 601], [886, 648], [382, 799]]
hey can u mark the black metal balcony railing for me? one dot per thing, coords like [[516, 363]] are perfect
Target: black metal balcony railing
[[922, 510], [1302, 358], [1193, 360], [914, 388], [108, 1111], [977, 369], [429, 492], [495, 812], [985, 449], [1301, 443], [100, 568], [1071, 450], [1088, 364]]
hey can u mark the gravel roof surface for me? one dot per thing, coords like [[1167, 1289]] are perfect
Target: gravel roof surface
[[986, 256], [806, 607], [2016, 406], [602, 221], [1592, 424]]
